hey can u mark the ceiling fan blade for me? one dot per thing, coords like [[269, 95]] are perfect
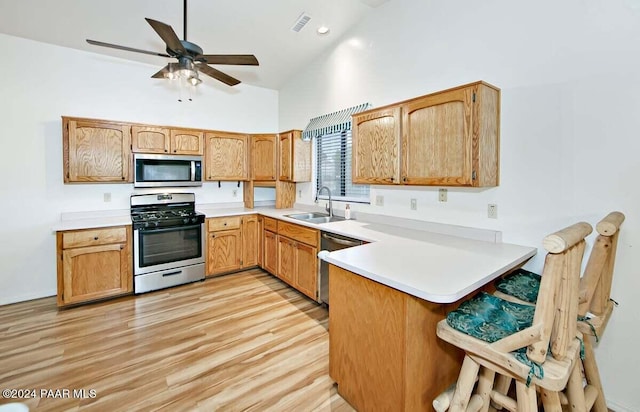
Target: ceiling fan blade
[[169, 68], [235, 59], [131, 49], [168, 36], [217, 74]]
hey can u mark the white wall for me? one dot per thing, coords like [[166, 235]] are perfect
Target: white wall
[[39, 83], [570, 78]]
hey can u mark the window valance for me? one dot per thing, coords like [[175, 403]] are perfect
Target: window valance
[[332, 122]]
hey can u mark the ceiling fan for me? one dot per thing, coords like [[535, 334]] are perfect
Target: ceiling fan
[[191, 59]]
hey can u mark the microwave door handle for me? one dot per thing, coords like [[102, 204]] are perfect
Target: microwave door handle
[[193, 170]]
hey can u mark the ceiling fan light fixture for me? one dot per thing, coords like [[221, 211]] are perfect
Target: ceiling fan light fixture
[[194, 80]]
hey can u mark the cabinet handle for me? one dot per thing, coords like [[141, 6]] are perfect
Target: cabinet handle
[[122, 177], [225, 223], [165, 150], [391, 178], [174, 150], [95, 238], [213, 235], [404, 179]]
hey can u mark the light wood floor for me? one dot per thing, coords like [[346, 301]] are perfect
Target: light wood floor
[[240, 342]]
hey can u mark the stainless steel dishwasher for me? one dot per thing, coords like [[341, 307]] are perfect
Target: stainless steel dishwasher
[[331, 242]]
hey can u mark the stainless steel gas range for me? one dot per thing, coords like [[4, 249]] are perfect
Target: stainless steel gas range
[[168, 241]]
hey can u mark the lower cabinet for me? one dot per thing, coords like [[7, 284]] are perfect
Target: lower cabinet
[[93, 264], [291, 254], [231, 243]]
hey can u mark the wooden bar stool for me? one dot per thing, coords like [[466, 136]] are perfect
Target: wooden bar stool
[[537, 346], [594, 310]]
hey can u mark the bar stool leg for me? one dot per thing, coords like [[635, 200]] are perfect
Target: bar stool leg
[[485, 385], [464, 387], [575, 390], [593, 375], [550, 401], [527, 400]]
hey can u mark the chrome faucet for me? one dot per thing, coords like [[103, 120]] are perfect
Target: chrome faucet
[[328, 208]]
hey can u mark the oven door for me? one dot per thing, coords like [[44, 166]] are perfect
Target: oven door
[[168, 248]]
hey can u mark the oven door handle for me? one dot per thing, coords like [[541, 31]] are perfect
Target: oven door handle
[[170, 229]]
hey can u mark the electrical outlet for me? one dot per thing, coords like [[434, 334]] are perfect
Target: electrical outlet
[[492, 211], [235, 192], [414, 204], [107, 197], [442, 195], [379, 200]]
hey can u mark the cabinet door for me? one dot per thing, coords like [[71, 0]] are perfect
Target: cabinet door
[[437, 139], [95, 272], [286, 259], [249, 241], [260, 242], [263, 157], [224, 250], [226, 156], [376, 140], [271, 252], [96, 151], [306, 274], [187, 142], [148, 139], [286, 156]]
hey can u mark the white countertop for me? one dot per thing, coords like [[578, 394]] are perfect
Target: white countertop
[[436, 267]]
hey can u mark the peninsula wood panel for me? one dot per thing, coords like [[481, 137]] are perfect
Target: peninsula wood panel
[[226, 156], [187, 141], [202, 346], [150, 139], [376, 145], [383, 349], [264, 157], [96, 151]]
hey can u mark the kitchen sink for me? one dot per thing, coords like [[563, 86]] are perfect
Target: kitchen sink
[[314, 217]]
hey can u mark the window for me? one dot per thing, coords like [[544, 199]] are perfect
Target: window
[[333, 168]]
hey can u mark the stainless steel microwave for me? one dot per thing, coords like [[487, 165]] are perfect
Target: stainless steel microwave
[[158, 170]]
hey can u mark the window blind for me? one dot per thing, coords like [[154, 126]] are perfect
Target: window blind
[[333, 168]]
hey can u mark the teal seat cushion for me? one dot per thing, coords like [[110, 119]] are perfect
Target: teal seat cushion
[[520, 284], [490, 318]]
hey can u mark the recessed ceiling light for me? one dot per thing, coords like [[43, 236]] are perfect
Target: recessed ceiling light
[[322, 30]]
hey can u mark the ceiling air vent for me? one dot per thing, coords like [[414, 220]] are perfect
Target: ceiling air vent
[[301, 21]]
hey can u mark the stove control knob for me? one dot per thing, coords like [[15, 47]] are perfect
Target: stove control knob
[[185, 220], [156, 223], [194, 219], [146, 224]]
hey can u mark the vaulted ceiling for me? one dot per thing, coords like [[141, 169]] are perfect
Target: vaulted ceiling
[[259, 27]]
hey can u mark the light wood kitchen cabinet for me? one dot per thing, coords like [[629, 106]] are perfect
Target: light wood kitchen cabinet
[[264, 156], [298, 257], [232, 243], [150, 139], [448, 138], [161, 140], [260, 241], [226, 156], [96, 151], [250, 241], [270, 258], [187, 142], [224, 245], [294, 164], [93, 264], [376, 146]]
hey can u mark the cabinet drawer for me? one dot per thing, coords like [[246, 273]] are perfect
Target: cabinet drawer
[[94, 237], [270, 224], [223, 223], [299, 233]]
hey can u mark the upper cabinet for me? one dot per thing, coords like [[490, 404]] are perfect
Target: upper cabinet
[[449, 138], [294, 163], [152, 139], [375, 146], [226, 156], [96, 151], [264, 157]]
